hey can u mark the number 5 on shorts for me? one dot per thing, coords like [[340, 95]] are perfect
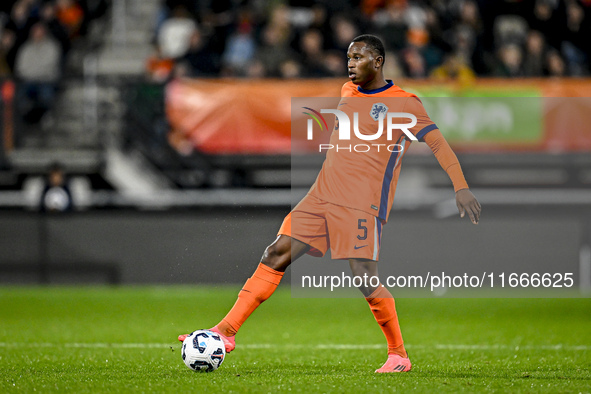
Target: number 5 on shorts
[[360, 226]]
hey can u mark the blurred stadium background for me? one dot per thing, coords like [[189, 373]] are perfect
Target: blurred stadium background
[[169, 121]]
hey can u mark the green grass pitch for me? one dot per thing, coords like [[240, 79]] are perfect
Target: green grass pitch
[[101, 339]]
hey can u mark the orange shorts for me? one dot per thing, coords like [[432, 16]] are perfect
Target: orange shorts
[[349, 233]]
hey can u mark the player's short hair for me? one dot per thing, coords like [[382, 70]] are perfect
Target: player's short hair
[[373, 42]]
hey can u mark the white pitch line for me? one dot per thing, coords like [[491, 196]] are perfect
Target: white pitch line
[[297, 346]]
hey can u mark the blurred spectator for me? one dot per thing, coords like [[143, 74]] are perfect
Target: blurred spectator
[[58, 31], [56, 195], [301, 14], [435, 30], [468, 37], [203, 61], [415, 14], [510, 29], [391, 24], [510, 62], [279, 19], [454, 68], [6, 43], [464, 43], [392, 68], [576, 46], [200, 58], [369, 7], [413, 63], [469, 16], [311, 48], [290, 69], [274, 48], [320, 22], [302, 37], [175, 33], [38, 68], [70, 15], [335, 64], [218, 18], [535, 49], [544, 20], [19, 23], [555, 65], [419, 38], [343, 32], [240, 49], [256, 69], [92, 10]]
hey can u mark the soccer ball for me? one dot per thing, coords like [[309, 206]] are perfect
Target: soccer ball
[[203, 350]]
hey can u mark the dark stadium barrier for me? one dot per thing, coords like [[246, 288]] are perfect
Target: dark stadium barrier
[[223, 246]]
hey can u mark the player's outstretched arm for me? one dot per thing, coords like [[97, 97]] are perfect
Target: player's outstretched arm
[[465, 200]]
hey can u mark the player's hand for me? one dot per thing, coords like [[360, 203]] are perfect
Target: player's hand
[[467, 203]]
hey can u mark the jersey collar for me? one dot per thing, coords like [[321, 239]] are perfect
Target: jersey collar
[[374, 91]]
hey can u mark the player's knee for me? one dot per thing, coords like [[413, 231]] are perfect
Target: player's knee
[[363, 267], [277, 256]]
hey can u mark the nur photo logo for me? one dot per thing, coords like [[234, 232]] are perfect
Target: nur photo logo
[[386, 121]]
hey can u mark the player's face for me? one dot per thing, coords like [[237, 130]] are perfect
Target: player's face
[[363, 63]]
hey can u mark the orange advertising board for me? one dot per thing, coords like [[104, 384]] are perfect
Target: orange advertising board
[[228, 116]]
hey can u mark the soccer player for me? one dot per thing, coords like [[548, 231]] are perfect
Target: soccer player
[[350, 201]]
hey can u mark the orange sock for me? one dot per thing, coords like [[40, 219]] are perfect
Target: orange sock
[[257, 289], [383, 308]]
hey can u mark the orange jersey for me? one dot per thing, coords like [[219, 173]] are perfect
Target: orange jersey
[[365, 179]]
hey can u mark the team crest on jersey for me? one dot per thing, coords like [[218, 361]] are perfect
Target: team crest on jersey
[[377, 110]]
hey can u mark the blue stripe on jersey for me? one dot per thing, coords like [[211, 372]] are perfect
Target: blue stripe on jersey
[[392, 163], [374, 91], [379, 222], [425, 130]]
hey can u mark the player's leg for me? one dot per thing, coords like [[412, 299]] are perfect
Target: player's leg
[[303, 230], [383, 308], [261, 285], [381, 303], [361, 267]]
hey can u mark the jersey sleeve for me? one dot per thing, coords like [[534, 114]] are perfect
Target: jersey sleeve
[[447, 159], [424, 124]]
